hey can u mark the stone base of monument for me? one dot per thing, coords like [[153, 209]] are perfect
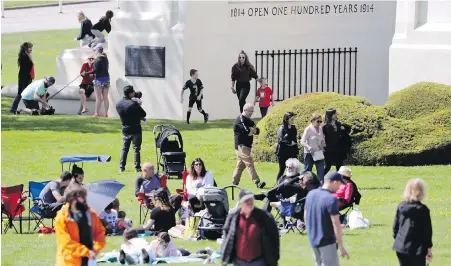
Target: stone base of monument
[[66, 102]]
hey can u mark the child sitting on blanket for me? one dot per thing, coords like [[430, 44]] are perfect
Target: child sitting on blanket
[[122, 223], [135, 250]]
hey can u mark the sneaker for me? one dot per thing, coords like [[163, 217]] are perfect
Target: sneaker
[[105, 115], [146, 256], [260, 184], [235, 184], [95, 115], [121, 170], [35, 112], [84, 110], [260, 196], [206, 118], [122, 257], [138, 170], [187, 122]]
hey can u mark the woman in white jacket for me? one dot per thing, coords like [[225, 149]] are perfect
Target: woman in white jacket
[[198, 179], [314, 144]]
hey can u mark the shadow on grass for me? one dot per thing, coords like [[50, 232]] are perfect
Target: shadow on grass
[[376, 188], [379, 225], [86, 124]]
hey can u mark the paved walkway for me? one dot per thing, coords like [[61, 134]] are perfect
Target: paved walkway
[[49, 18]]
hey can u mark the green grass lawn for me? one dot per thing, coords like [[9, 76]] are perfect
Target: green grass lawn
[[33, 3], [31, 148]]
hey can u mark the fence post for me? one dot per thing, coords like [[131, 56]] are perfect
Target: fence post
[[3, 8], [118, 4], [60, 4]]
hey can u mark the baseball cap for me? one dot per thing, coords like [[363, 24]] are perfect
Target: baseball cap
[[334, 176], [50, 79], [245, 195], [98, 47], [128, 89]]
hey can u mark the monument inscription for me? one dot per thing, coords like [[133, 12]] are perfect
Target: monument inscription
[[145, 61], [301, 9]]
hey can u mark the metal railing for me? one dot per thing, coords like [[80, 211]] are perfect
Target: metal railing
[[294, 72]]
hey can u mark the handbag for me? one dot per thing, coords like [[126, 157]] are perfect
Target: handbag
[[318, 156]]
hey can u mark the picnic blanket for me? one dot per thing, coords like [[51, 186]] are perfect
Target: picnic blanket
[[113, 257]]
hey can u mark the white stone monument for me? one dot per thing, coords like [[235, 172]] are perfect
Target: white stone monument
[[421, 49], [208, 36]]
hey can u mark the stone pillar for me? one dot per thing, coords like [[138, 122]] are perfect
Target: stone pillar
[[421, 47]]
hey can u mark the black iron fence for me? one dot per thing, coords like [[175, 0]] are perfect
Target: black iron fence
[[294, 72]]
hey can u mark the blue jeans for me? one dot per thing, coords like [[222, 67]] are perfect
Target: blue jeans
[[308, 166]]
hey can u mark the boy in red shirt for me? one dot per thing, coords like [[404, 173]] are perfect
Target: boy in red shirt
[[264, 96]]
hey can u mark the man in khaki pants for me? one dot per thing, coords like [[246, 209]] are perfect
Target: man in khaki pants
[[244, 130]]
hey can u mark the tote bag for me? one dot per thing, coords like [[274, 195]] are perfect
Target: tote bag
[[318, 156], [191, 224]]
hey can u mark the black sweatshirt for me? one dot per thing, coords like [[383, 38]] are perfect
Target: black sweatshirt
[[131, 114], [412, 229], [241, 129], [85, 29], [332, 137], [103, 24], [242, 73], [101, 67], [25, 65]]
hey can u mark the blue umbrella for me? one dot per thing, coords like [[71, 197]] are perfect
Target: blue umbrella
[[102, 193]]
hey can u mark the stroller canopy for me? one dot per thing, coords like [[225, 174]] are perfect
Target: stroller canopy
[[85, 158], [166, 133]]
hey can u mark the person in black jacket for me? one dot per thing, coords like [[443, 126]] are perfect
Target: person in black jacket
[[287, 142], [251, 236], [242, 72], [101, 80], [25, 64], [131, 114], [85, 37], [412, 228], [103, 24], [333, 131]]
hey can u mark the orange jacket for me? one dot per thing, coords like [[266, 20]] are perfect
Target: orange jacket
[[69, 250]]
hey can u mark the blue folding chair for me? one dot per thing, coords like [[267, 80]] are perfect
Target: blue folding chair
[[35, 189]]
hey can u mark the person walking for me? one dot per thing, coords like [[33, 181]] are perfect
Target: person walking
[[323, 222], [244, 130], [242, 72], [101, 81], [333, 130], [314, 145], [131, 114], [251, 236], [85, 37], [412, 227], [86, 86], [80, 235], [264, 96], [287, 142], [26, 72], [195, 86]]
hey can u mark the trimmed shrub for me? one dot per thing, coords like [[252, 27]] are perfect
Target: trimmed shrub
[[388, 135]]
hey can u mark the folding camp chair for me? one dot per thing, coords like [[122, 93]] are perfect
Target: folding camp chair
[[144, 206], [35, 189], [12, 207]]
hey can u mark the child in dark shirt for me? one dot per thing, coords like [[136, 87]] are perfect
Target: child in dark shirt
[[195, 86]]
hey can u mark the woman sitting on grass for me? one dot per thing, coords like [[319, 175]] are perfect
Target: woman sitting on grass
[[162, 217]]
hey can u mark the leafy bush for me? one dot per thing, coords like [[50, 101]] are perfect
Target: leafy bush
[[388, 135]]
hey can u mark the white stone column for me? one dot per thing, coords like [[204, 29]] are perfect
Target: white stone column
[[421, 47]]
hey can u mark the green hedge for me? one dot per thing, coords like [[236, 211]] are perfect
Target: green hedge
[[387, 135]]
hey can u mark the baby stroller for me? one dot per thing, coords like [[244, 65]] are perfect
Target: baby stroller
[[216, 202], [169, 150]]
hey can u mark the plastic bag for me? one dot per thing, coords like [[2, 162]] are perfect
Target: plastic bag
[[191, 224], [356, 220]]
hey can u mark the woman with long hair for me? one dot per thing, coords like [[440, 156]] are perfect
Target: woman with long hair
[[198, 179], [314, 144], [26, 72], [287, 142], [85, 37], [78, 175], [333, 131], [162, 217], [412, 228], [242, 73], [101, 80]]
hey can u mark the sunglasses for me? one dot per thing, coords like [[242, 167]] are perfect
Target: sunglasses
[[242, 57], [319, 121], [90, 58], [197, 164]]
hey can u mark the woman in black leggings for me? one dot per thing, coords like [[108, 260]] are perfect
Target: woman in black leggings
[[242, 72], [25, 64], [287, 142]]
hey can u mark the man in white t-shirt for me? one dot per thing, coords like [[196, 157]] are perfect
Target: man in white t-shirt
[[36, 93], [109, 219]]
